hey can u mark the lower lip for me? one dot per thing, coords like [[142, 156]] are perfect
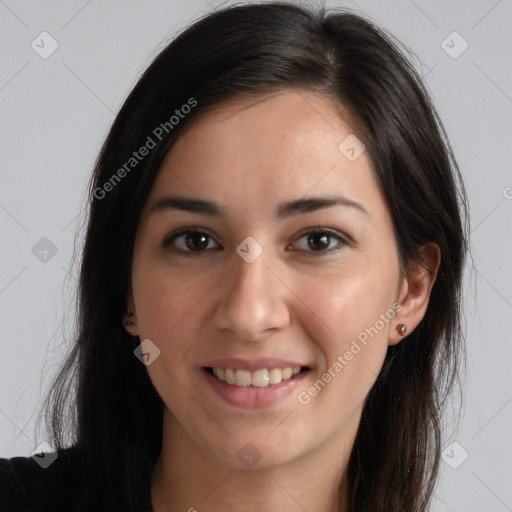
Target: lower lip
[[254, 397]]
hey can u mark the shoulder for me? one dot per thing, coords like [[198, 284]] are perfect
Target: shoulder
[[44, 484]]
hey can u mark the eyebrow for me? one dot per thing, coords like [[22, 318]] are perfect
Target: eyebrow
[[284, 210]]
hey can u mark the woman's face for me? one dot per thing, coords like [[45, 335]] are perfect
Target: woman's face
[[255, 293]]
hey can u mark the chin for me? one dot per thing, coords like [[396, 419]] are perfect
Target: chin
[[254, 453]]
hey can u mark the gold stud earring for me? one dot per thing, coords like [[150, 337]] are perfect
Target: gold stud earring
[[402, 329]]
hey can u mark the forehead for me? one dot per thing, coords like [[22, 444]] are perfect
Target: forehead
[[254, 152]]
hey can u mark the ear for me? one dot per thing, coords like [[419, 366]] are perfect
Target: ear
[[415, 291], [130, 318]]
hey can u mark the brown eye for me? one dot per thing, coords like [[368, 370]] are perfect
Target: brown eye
[[319, 241], [191, 242], [196, 241], [188, 241]]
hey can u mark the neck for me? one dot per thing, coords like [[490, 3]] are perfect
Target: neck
[[186, 479]]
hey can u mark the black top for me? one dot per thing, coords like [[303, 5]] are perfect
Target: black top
[[26, 485], [54, 483]]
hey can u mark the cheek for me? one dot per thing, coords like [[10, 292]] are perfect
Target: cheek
[[355, 308], [170, 305], [164, 299], [352, 301], [166, 306]]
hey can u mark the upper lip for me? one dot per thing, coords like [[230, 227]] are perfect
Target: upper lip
[[253, 364]]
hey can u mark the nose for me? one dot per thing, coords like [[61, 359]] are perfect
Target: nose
[[253, 300]]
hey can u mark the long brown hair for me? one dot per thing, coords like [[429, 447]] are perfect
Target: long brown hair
[[103, 401]]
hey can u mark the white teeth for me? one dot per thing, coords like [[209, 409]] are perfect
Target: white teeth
[[287, 373], [275, 375], [230, 376], [242, 378], [259, 378]]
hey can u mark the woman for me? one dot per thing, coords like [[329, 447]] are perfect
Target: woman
[[270, 285]]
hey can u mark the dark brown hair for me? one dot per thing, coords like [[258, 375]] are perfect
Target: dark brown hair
[[103, 401]]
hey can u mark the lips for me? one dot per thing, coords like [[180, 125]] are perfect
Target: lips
[[254, 383]]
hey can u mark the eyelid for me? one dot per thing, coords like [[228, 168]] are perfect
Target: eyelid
[[322, 228], [344, 240], [168, 239]]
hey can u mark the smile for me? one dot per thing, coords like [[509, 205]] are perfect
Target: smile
[[261, 378], [254, 384]]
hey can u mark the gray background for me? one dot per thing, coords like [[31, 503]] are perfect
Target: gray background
[[56, 111]]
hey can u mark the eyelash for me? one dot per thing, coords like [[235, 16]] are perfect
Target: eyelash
[[311, 230]]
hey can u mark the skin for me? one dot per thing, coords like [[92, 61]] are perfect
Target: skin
[[249, 156]]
